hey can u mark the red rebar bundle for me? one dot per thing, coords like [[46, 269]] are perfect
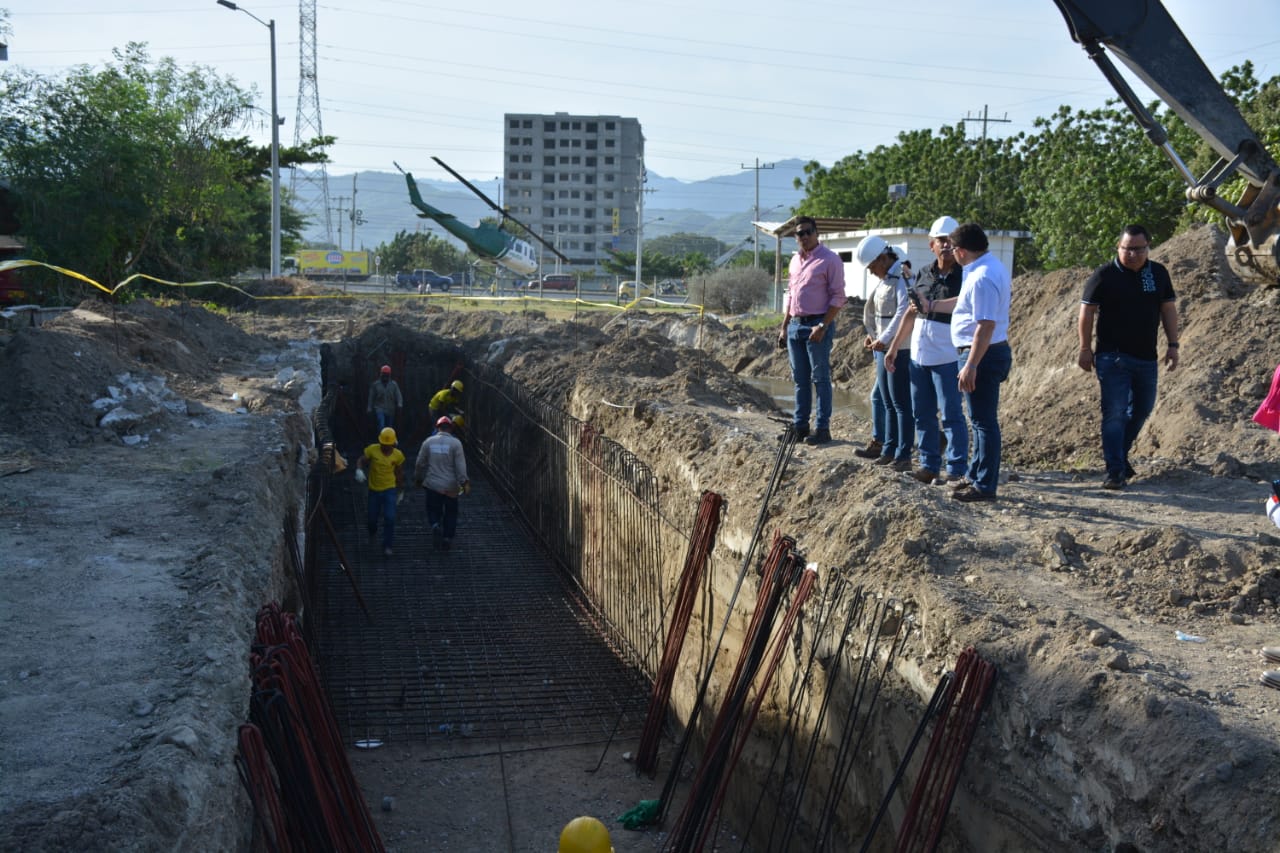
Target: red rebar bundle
[[940, 771], [700, 547], [305, 787]]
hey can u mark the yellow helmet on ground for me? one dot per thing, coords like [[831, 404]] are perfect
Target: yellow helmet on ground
[[457, 385], [585, 835], [387, 436]]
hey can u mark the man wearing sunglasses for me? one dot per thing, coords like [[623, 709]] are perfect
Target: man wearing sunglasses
[[1131, 297], [815, 294]]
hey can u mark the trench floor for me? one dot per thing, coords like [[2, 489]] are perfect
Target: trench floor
[[486, 641]]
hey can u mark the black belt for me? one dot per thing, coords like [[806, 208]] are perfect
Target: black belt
[[810, 318], [963, 350]]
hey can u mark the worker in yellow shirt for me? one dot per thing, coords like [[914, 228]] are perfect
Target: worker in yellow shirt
[[384, 463]]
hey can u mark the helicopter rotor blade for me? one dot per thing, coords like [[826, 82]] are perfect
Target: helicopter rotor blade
[[469, 185], [505, 215]]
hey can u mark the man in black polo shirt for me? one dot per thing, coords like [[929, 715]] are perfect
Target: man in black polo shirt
[[1130, 297]]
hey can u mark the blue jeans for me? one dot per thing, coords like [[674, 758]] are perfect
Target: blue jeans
[[879, 416], [895, 392], [810, 366], [984, 405], [1128, 395], [384, 419], [383, 504], [442, 510], [934, 387]]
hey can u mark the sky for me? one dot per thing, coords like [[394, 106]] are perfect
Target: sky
[[716, 85]]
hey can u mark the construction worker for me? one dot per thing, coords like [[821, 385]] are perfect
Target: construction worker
[[585, 835], [385, 465], [441, 469], [446, 400], [385, 399]]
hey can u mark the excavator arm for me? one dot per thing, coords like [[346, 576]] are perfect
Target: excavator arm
[[1143, 35]]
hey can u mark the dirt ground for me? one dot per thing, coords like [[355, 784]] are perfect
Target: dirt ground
[[129, 563]]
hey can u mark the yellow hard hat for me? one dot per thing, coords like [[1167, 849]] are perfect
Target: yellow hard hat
[[457, 386], [387, 436], [585, 835]]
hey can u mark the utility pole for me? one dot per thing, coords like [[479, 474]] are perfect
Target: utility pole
[[341, 206], [357, 215], [644, 177], [755, 232], [982, 150]]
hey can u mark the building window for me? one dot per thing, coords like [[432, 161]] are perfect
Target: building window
[[528, 176], [549, 126], [527, 124], [564, 177], [564, 211], [591, 162], [514, 158], [608, 195], [608, 161], [608, 125], [590, 179], [575, 194], [576, 143], [549, 178], [548, 212], [549, 161], [608, 179], [526, 158], [514, 124], [528, 140], [591, 127], [515, 140], [575, 161], [589, 196], [513, 175], [564, 193], [548, 143], [564, 125], [591, 145], [589, 213], [608, 143], [588, 229], [564, 143], [588, 247]]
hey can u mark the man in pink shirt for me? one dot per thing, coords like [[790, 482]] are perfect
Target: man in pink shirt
[[815, 294]]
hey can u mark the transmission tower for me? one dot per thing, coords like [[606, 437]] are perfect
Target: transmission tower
[[307, 126]]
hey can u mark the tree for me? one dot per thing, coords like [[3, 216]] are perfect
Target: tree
[[134, 168], [420, 250], [683, 243], [1090, 174]]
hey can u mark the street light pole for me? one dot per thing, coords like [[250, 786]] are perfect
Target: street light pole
[[275, 140]]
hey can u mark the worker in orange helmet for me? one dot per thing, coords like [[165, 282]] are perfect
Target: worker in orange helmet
[[385, 399]]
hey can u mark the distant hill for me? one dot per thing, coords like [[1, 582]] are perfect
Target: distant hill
[[719, 207]]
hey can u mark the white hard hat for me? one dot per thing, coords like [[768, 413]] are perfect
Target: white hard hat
[[870, 248], [942, 226]]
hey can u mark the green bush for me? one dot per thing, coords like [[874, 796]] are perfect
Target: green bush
[[734, 290]]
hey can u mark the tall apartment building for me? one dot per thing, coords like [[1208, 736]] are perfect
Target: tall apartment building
[[575, 180]]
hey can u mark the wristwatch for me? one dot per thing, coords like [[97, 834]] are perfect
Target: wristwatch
[[821, 324]]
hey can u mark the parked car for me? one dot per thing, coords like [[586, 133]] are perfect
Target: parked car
[[405, 280], [430, 281], [627, 290], [559, 281]]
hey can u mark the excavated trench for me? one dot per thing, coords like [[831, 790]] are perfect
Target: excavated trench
[[546, 623]]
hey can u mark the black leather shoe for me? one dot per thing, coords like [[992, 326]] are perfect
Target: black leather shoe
[[821, 436], [801, 431], [871, 451]]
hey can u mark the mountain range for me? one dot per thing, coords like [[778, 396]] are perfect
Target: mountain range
[[720, 207]]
